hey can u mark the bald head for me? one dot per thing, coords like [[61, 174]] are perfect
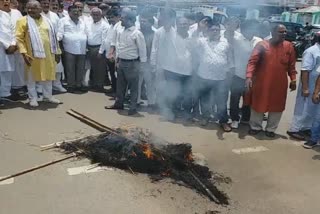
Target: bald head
[[279, 33], [34, 9]]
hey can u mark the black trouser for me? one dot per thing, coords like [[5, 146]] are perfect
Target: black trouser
[[204, 92], [237, 91], [98, 67], [128, 77], [178, 91], [112, 70]]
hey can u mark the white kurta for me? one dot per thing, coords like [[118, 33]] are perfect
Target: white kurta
[[305, 110], [18, 77], [6, 39]]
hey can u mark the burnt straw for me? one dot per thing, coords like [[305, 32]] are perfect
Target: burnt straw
[[145, 153]]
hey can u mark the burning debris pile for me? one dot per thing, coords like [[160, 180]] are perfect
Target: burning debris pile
[[137, 151]]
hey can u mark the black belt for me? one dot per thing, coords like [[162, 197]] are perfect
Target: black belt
[[129, 60], [94, 46]]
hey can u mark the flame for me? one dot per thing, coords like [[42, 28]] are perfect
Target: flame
[[147, 150], [189, 157]]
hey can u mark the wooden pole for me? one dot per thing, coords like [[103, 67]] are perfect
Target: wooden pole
[[38, 167]]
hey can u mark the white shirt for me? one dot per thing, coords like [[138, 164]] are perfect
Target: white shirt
[[53, 17], [242, 52], [214, 58], [171, 52], [97, 32], [106, 43], [130, 44], [73, 36], [7, 39], [15, 15]]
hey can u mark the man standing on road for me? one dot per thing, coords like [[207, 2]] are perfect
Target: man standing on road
[[305, 109], [243, 44], [18, 78], [97, 32], [39, 47], [130, 47], [7, 50], [73, 34], [268, 69], [315, 129], [54, 18]]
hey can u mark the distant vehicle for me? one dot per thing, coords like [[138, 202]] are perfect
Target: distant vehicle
[[294, 29]]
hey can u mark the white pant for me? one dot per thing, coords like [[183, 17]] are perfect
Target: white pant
[[149, 77], [46, 87], [5, 83], [57, 83], [272, 122], [18, 79]]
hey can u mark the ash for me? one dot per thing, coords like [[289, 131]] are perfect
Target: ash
[[142, 152]]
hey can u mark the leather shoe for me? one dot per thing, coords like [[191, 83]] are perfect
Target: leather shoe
[[114, 107], [132, 112]]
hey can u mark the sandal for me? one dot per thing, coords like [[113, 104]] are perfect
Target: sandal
[[270, 134], [226, 127], [254, 132], [297, 135]]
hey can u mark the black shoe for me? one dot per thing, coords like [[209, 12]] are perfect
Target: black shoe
[[11, 98], [83, 89], [254, 132], [297, 135], [98, 89], [306, 133], [310, 144], [270, 134], [110, 91], [132, 112], [71, 90], [114, 107]]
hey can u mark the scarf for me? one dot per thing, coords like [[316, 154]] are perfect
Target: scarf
[[36, 41]]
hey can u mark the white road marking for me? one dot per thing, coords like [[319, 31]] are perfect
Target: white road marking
[[6, 182], [250, 150], [88, 169]]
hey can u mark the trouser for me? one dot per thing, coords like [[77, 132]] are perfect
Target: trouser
[[237, 90], [128, 77], [57, 83], [203, 92], [272, 122], [5, 83], [75, 69], [32, 91], [315, 131], [18, 79], [98, 67], [112, 71], [147, 83], [177, 91]]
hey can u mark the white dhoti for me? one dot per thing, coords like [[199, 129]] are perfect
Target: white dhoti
[[46, 87], [57, 85], [18, 78], [5, 83]]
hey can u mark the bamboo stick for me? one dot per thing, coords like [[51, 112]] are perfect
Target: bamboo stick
[[38, 167]]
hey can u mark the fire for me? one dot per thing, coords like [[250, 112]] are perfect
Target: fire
[[147, 151], [189, 157]]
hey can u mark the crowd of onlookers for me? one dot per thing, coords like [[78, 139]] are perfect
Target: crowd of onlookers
[[189, 66]]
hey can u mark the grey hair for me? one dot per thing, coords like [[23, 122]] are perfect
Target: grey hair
[[95, 9]]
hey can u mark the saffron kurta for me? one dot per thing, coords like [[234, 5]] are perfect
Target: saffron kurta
[[269, 67], [42, 69]]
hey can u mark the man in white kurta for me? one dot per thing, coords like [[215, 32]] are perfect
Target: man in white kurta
[[7, 49], [18, 76], [305, 110], [54, 18]]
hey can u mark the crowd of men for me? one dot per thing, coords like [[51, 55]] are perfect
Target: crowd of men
[[188, 66]]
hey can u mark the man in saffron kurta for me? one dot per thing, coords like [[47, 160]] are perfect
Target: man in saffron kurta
[[269, 66], [40, 69]]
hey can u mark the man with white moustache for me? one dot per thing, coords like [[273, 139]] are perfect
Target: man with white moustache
[[97, 32], [54, 18], [73, 34]]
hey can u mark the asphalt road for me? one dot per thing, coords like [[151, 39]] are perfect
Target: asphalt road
[[268, 176]]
